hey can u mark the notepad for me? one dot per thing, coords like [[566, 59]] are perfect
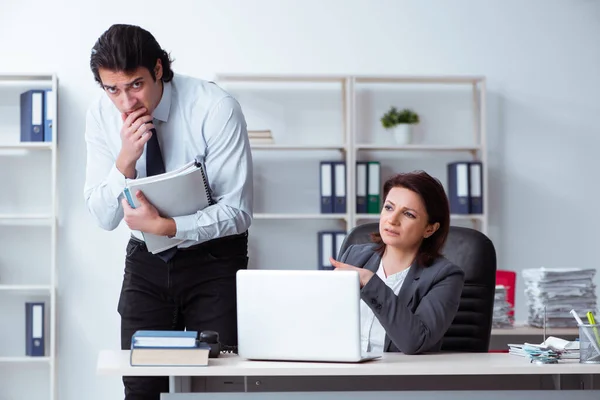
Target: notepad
[[183, 191]]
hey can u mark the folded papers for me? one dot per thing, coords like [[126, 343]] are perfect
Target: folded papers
[[552, 349]]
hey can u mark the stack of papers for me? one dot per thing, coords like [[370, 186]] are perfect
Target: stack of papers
[[502, 316], [558, 290], [551, 349]]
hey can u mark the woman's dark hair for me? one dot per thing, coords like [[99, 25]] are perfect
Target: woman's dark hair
[[126, 48], [436, 204]]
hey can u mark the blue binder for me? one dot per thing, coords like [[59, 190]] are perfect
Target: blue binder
[[458, 187], [34, 329], [326, 247], [339, 185], [361, 187], [32, 116], [326, 182], [49, 107], [329, 244], [476, 187]]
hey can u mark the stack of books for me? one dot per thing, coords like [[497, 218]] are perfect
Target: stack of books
[[502, 316], [552, 292], [260, 137], [168, 348]]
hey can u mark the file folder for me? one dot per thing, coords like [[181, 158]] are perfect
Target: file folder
[[339, 240], [326, 180], [374, 187], [476, 187], [458, 187], [361, 187], [49, 109], [326, 250], [329, 245], [339, 183], [32, 116], [34, 329]]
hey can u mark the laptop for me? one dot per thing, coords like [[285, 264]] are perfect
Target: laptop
[[295, 315]]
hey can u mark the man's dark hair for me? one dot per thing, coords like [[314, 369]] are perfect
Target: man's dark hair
[[126, 48]]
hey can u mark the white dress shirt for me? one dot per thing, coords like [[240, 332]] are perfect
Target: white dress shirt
[[372, 333], [194, 117]]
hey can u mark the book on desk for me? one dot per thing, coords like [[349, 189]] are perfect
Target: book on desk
[[168, 349]]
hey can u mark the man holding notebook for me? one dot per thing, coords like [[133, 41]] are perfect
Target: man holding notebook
[[148, 121]]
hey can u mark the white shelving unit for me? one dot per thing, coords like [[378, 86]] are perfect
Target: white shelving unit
[[29, 220], [300, 216], [476, 150], [351, 145]]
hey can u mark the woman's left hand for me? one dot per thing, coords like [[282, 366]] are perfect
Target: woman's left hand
[[365, 275]]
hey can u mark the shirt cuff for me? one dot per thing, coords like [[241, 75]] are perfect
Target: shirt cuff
[[186, 227], [116, 181]]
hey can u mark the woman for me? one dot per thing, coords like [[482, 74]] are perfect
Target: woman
[[410, 292]]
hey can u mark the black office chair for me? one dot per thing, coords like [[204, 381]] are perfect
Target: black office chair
[[475, 254]]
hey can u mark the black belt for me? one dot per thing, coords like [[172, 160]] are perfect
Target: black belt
[[211, 242]]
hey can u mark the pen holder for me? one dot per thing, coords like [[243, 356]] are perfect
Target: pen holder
[[589, 344]]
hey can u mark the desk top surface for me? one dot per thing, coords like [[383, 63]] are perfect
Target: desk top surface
[[117, 363]]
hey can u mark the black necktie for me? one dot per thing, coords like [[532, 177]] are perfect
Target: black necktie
[[154, 161], [154, 166]]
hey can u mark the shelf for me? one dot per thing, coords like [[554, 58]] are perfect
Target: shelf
[[46, 289], [26, 146], [295, 147], [42, 221], [25, 219], [280, 78], [478, 217], [300, 216], [25, 80], [416, 147], [357, 78], [367, 216], [419, 79], [24, 360]]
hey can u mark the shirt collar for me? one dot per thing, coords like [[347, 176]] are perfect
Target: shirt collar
[[394, 277], [162, 110]]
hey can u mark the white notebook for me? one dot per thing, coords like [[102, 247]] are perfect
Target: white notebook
[[176, 193]]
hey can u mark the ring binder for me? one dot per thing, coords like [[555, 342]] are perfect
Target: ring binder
[[199, 162], [173, 194]]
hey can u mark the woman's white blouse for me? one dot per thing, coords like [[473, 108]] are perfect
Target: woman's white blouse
[[372, 334]]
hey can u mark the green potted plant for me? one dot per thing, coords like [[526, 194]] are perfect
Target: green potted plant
[[400, 123]]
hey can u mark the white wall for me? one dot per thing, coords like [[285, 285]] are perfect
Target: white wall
[[541, 59]]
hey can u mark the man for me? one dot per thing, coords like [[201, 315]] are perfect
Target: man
[[150, 120]]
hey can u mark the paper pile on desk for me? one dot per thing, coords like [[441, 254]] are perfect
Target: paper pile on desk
[[502, 316], [560, 290], [552, 348]]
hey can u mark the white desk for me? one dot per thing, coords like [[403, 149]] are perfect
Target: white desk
[[460, 371]]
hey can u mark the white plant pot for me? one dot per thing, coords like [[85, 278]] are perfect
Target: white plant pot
[[402, 133]]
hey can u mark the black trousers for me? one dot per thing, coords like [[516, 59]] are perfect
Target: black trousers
[[195, 290]]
